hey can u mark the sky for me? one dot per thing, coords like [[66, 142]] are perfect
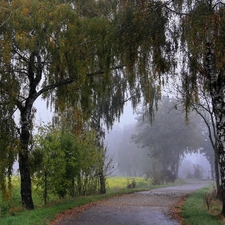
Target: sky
[[128, 116], [44, 114]]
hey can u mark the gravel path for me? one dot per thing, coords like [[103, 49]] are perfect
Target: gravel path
[[153, 207]]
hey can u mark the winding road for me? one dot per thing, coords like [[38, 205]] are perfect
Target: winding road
[[152, 207]]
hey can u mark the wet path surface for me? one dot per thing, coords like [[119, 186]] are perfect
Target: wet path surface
[[142, 208]]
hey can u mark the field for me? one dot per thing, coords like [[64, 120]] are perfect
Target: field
[[118, 183]]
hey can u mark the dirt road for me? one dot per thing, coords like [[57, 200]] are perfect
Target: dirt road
[[143, 208]]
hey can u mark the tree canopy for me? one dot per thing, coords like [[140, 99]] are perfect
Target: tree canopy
[[75, 53]]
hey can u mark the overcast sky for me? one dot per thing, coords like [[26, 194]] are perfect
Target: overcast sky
[[45, 115]]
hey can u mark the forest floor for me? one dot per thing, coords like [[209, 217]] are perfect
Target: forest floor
[[157, 206]]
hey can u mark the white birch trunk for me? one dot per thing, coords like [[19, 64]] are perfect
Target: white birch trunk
[[217, 92]]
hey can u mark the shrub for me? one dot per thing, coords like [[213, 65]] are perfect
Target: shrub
[[168, 176]]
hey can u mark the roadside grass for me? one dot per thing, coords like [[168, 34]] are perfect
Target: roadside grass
[[195, 211], [42, 215], [11, 212]]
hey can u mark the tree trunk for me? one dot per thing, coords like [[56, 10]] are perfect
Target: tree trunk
[[45, 191], [217, 174], [177, 163], [26, 191], [25, 177], [79, 185], [72, 191], [102, 183], [217, 92]]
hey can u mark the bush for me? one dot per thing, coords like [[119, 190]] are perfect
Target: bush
[[168, 176], [197, 172], [164, 176], [132, 184]]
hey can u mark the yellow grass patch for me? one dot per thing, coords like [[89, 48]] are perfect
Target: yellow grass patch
[[117, 183]]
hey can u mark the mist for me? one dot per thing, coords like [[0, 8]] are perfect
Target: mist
[[135, 159], [138, 147]]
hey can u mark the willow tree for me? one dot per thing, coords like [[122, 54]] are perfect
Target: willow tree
[[8, 149], [45, 45], [50, 49]]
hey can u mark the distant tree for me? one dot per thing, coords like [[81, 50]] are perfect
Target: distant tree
[[197, 172], [131, 160], [209, 153], [167, 137]]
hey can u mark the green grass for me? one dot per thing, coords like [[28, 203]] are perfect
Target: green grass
[[14, 214], [42, 215], [195, 212]]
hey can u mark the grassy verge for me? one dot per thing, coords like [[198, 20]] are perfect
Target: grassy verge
[[195, 212], [42, 215]]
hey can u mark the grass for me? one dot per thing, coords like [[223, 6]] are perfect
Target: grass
[[44, 214], [117, 183], [195, 212]]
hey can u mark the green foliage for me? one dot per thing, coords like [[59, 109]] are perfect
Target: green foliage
[[65, 164], [8, 150], [202, 29], [141, 34]]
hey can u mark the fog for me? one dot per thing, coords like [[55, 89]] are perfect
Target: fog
[[128, 158], [123, 152]]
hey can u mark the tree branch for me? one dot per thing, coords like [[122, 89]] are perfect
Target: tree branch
[[3, 23]]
